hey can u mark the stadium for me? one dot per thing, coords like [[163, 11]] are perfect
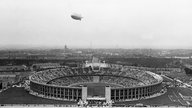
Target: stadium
[[96, 81]]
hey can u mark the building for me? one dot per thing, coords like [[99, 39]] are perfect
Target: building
[[43, 66], [13, 68], [67, 83], [7, 80]]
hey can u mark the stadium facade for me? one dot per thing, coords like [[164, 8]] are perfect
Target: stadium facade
[[126, 84]]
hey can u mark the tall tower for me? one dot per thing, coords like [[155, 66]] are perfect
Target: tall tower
[[84, 93], [108, 93], [66, 49]]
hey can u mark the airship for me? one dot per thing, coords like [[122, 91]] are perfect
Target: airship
[[76, 16]]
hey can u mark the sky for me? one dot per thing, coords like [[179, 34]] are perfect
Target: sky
[[105, 24]]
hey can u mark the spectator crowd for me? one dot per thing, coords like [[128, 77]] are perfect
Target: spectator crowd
[[116, 74]]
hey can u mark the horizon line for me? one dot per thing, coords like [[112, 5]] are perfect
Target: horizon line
[[20, 47]]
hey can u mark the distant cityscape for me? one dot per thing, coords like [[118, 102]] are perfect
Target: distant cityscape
[[68, 52]]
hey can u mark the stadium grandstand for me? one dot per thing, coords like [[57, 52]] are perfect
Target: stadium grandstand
[[120, 83]]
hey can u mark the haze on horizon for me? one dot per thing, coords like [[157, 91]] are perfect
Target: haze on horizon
[[106, 23]]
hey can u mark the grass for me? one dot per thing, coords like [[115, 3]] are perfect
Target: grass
[[20, 96]]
